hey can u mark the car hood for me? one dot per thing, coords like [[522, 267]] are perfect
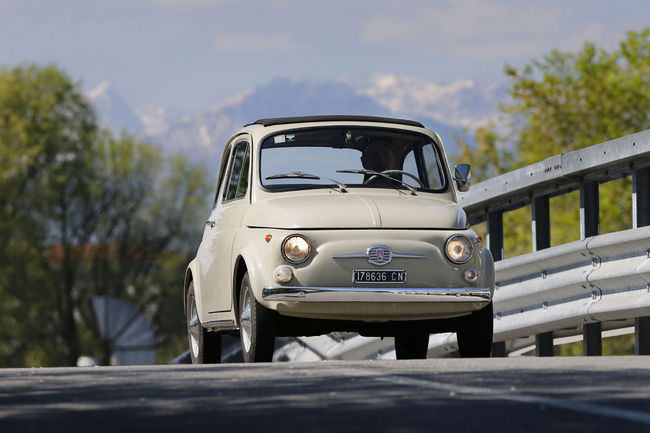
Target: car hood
[[334, 210]]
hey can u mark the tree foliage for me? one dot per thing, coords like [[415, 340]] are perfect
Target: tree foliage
[[83, 213], [570, 101]]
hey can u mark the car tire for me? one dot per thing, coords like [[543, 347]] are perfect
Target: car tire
[[205, 347], [411, 346], [475, 334], [256, 326]]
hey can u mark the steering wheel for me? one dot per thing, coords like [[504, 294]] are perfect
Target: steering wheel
[[387, 172]]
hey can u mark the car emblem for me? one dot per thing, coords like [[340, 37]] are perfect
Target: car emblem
[[379, 255]]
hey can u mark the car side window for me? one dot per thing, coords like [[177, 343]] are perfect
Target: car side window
[[243, 179], [237, 182]]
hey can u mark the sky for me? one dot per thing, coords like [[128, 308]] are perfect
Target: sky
[[193, 54]]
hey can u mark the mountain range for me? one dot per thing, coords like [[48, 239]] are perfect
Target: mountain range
[[202, 135]]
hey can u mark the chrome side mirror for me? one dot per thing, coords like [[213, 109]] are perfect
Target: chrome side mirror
[[462, 176]]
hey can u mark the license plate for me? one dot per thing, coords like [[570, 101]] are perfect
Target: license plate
[[375, 276]]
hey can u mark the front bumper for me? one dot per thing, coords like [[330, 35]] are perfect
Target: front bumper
[[375, 294]]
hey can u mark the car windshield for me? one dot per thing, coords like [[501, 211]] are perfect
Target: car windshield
[[351, 157]]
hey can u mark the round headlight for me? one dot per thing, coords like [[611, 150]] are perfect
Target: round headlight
[[459, 249], [296, 249]]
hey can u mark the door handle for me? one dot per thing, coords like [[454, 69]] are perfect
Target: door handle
[[210, 223]]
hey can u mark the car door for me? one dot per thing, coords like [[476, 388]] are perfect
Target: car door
[[224, 222]]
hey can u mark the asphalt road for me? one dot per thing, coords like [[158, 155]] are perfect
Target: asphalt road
[[458, 395]]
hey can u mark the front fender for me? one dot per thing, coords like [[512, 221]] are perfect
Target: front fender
[[254, 261], [487, 272], [261, 258]]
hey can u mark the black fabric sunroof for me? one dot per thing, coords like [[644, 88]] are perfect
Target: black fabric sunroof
[[335, 118]]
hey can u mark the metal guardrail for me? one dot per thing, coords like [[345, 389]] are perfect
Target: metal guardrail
[[610, 255], [599, 283], [558, 174], [602, 279]]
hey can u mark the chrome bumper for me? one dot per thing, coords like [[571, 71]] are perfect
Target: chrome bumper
[[375, 294]]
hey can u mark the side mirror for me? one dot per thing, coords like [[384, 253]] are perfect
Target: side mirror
[[462, 176]]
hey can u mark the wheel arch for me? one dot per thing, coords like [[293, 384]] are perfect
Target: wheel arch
[[239, 271], [186, 287], [190, 273]]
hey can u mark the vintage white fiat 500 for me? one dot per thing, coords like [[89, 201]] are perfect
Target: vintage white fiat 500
[[338, 223]]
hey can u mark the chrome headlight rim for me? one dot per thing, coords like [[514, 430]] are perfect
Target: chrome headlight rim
[[284, 253], [469, 245]]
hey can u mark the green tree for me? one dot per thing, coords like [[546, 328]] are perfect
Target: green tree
[[565, 102], [570, 101], [144, 240], [46, 127], [83, 213]]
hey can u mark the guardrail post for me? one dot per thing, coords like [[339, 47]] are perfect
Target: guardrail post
[[544, 344], [642, 336], [641, 217], [498, 349], [541, 225], [641, 197], [495, 234], [592, 343], [589, 210]]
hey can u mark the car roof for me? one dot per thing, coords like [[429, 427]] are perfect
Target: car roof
[[333, 118]]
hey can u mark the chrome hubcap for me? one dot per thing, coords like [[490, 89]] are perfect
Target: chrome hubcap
[[245, 321], [193, 327]]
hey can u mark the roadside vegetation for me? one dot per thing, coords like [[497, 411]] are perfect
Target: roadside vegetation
[[85, 213]]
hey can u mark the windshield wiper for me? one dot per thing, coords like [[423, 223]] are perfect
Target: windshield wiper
[[294, 175], [299, 175], [377, 173]]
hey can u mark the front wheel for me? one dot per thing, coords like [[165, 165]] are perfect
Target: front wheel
[[256, 326], [475, 334], [205, 347], [412, 345]]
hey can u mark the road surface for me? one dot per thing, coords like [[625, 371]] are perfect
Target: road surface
[[595, 394]]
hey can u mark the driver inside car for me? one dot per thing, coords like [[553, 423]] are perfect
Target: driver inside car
[[378, 156]]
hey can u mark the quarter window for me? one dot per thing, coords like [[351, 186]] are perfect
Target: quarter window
[[237, 184], [243, 179]]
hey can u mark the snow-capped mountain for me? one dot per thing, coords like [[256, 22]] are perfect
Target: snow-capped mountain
[[442, 108], [462, 103], [113, 111], [210, 129]]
